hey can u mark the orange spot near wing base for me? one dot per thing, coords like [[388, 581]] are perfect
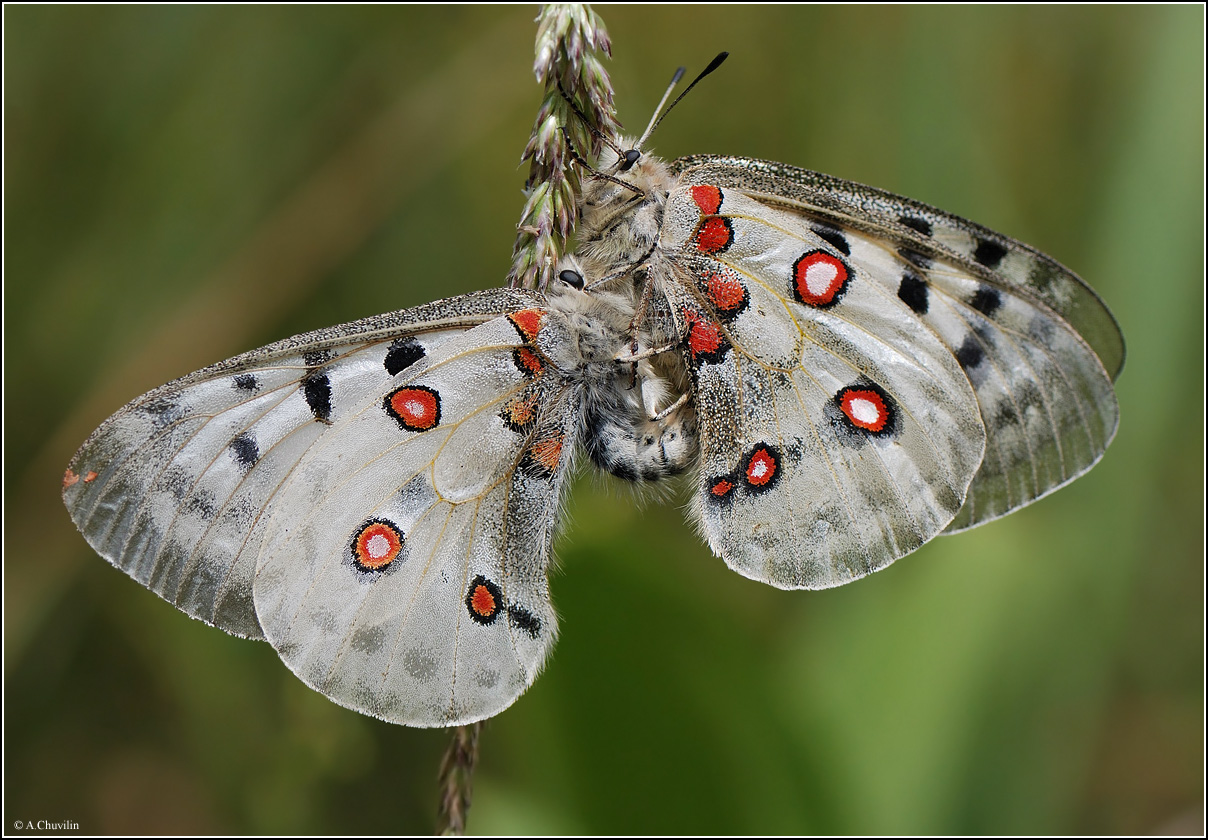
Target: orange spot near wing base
[[528, 322]]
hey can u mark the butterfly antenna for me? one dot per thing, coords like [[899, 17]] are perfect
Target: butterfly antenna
[[679, 74], [590, 126], [654, 122]]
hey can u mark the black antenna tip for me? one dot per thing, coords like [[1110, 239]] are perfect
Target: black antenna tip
[[679, 74], [715, 63]]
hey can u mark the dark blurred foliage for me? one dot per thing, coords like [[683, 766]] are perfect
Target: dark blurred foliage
[[184, 183]]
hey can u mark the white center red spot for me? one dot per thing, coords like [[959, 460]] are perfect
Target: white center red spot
[[762, 466], [819, 278], [376, 545], [865, 408]]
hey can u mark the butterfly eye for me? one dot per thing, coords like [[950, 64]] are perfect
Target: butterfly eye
[[629, 159], [571, 278]]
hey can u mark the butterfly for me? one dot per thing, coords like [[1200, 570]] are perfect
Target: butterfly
[[842, 373]]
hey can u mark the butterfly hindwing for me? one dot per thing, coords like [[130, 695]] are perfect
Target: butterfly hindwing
[[403, 573], [1036, 343], [835, 435]]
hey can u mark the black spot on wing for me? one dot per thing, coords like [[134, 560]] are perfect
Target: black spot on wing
[[524, 620], [317, 389], [403, 353], [989, 253], [315, 358], [986, 300], [1003, 415], [1043, 276], [832, 236], [913, 292], [246, 382], [245, 450], [970, 353], [916, 223], [177, 481], [1028, 396]]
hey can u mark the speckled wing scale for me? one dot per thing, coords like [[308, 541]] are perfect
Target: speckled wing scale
[[843, 373], [377, 500]]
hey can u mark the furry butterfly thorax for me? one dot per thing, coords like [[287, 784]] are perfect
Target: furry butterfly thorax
[[843, 374]]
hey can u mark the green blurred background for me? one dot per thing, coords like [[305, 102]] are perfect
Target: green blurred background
[[185, 183]]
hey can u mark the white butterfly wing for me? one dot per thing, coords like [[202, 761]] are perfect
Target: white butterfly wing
[[404, 565], [1037, 344], [836, 435], [181, 486]]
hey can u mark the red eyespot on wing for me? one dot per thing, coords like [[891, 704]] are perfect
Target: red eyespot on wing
[[865, 408], [527, 322], [762, 467], [375, 545], [69, 478], [704, 339], [714, 235], [520, 412], [819, 278], [721, 488], [483, 600], [416, 408], [546, 451], [527, 362], [707, 198], [727, 293]]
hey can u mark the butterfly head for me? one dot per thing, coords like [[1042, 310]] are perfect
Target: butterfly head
[[621, 213]]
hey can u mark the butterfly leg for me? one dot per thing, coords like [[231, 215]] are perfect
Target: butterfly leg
[[627, 270], [669, 410]]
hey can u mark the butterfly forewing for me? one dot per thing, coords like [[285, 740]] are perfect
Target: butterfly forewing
[[172, 488], [984, 252], [1014, 320]]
